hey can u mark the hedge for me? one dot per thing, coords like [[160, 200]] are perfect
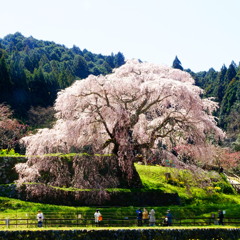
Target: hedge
[[126, 234], [45, 194]]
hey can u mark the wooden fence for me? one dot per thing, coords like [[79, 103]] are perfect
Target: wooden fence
[[110, 222]]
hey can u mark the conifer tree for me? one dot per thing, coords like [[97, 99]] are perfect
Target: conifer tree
[[5, 83], [177, 64], [218, 92]]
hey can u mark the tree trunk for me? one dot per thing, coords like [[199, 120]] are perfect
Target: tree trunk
[[125, 152]]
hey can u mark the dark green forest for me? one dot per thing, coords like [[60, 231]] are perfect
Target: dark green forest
[[33, 71], [224, 87]]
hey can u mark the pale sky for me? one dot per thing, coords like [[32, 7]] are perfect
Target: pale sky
[[202, 33]]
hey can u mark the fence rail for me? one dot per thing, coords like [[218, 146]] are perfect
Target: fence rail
[[109, 222]]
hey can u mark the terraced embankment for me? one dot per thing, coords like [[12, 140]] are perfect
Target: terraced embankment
[[126, 234]]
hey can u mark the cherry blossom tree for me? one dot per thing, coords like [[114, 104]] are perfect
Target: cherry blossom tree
[[128, 112], [211, 157], [224, 157], [10, 129]]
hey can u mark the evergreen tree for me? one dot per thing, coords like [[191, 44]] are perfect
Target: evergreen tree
[[209, 82], [5, 83], [230, 96], [177, 64], [39, 89], [230, 74], [80, 67], [110, 60], [218, 91], [33, 71], [76, 50], [119, 60]]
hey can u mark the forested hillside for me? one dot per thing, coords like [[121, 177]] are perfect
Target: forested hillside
[[224, 87], [142, 112], [33, 71]]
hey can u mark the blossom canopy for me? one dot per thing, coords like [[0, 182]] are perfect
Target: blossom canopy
[[139, 103]]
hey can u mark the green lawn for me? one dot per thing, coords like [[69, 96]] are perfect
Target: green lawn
[[201, 195]]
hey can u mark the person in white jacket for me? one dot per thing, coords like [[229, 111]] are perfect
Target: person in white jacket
[[97, 214], [152, 218], [40, 218]]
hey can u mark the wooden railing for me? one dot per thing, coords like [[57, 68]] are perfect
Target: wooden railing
[[110, 222]]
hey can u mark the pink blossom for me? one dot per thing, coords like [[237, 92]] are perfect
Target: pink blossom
[[125, 112]]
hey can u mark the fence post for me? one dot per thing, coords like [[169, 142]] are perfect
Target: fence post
[[7, 223], [79, 216]]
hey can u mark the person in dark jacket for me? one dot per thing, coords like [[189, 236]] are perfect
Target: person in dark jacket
[[220, 217], [139, 217], [169, 218]]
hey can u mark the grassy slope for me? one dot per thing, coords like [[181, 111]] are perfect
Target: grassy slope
[[197, 202], [193, 188]]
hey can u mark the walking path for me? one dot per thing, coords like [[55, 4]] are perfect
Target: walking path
[[234, 181]]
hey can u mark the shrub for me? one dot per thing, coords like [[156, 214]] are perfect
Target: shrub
[[140, 234], [224, 187]]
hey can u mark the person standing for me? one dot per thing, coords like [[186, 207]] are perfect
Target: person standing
[[152, 218], [169, 218], [97, 216], [145, 216], [139, 217], [220, 217], [40, 218]]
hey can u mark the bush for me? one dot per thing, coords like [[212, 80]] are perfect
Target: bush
[[224, 187], [125, 234], [7, 164], [46, 194]]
